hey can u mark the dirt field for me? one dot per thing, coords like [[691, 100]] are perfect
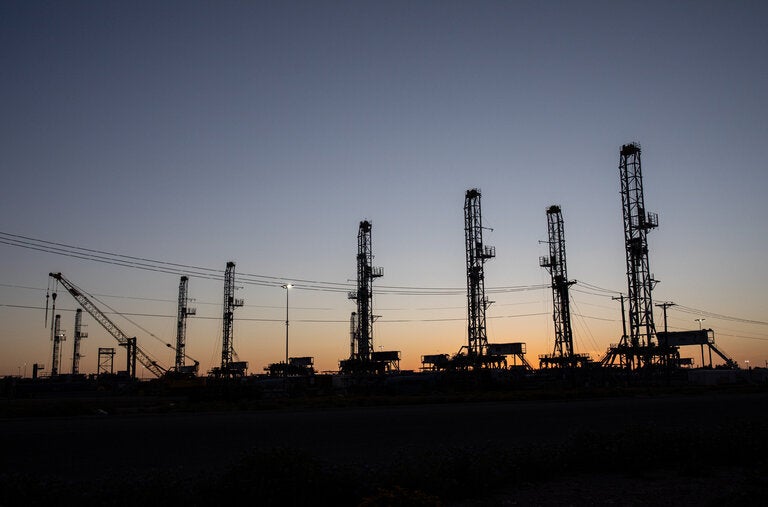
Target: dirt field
[[101, 447]]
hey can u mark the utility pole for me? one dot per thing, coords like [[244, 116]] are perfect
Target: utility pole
[[286, 287], [664, 306]]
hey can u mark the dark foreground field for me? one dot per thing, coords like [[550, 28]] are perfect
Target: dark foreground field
[[702, 449]]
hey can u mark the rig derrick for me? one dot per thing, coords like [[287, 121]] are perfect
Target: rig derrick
[[229, 367], [183, 311], [639, 349], [362, 358], [476, 256], [563, 355]]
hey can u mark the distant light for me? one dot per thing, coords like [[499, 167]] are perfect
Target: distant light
[[287, 286]]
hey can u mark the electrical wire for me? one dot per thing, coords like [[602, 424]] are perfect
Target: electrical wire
[[695, 311], [147, 264], [202, 272]]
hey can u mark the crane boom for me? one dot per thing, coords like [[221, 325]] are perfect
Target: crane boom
[[124, 340]]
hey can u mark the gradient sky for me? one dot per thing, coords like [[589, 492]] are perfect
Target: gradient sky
[[263, 132]]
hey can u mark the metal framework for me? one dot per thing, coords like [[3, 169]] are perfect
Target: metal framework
[[638, 347], [57, 337], [477, 255], [352, 334], [555, 263], [79, 334], [106, 361], [134, 352], [699, 337], [130, 356], [181, 323], [362, 334], [637, 223], [230, 303]]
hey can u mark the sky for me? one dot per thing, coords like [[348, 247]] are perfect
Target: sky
[[195, 133]]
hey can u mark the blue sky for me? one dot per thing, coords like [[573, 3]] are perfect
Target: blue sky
[[263, 132]]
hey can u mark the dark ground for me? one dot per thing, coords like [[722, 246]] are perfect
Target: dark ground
[[702, 449]]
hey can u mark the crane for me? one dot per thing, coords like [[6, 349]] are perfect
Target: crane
[[134, 352]]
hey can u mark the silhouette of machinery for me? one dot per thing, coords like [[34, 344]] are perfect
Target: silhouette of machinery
[[563, 355], [133, 352], [477, 353], [362, 357], [641, 348]]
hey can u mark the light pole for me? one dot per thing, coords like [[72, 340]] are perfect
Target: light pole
[[699, 321], [286, 287]]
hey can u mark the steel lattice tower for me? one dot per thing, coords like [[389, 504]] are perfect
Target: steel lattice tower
[[637, 223], [181, 322], [556, 265], [79, 334], [230, 303], [56, 337], [353, 335], [364, 294], [477, 255]]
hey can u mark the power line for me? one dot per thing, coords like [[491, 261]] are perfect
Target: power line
[[694, 311], [147, 264], [202, 272]]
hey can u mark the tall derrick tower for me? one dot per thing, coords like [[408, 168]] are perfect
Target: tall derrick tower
[[230, 303], [555, 263], [79, 334], [637, 224], [181, 323], [638, 348], [477, 255], [362, 336], [56, 337]]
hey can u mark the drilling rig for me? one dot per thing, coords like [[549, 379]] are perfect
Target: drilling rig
[[639, 349], [183, 312], [79, 334], [366, 273], [229, 367], [57, 336], [563, 355], [362, 357], [476, 254], [477, 353]]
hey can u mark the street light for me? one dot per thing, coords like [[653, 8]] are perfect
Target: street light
[[699, 321], [286, 287]]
